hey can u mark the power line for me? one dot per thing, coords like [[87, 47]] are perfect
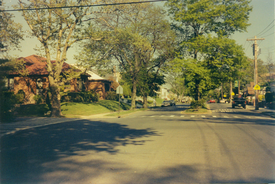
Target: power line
[[266, 28], [82, 6], [269, 34]]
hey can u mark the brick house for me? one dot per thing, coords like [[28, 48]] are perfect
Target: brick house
[[36, 81]]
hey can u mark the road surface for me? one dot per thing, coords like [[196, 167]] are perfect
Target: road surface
[[158, 146]]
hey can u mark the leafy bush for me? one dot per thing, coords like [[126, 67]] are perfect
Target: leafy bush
[[20, 96], [38, 99], [87, 96], [33, 110], [111, 95], [7, 102], [150, 101], [197, 104]]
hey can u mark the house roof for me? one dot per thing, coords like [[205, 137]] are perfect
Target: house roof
[[93, 75], [37, 65]]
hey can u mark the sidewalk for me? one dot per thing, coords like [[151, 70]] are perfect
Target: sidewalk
[[264, 111], [251, 107], [27, 123]]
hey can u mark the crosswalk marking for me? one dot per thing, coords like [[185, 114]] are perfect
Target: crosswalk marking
[[203, 116], [182, 116], [172, 116], [192, 116], [214, 116]]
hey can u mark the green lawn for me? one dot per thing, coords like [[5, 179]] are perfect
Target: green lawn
[[86, 109], [72, 109]]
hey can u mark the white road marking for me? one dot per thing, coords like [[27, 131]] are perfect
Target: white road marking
[[214, 116], [225, 116], [235, 116], [203, 116], [182, 116], [192, 116]]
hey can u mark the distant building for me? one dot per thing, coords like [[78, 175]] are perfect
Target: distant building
[[163, 93]]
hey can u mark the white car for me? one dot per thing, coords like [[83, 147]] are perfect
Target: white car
[[223, 101]]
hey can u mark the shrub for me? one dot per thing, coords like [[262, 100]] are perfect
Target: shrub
[[111, 95], [87, 96], [38, 99], [20, 96], [7, 102], [150, 101], [197, 104]]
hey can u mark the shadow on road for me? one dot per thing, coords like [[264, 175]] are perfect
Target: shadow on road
[[175, 108], [24, 153]]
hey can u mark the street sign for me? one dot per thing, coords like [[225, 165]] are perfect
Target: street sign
[[119, 90], [232, 93], [257, 87]]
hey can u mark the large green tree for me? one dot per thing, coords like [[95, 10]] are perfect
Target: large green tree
[[135, 37], [57, 29], [200, 24]]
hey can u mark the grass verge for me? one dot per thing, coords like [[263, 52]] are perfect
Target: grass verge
[[72, 109], [198, 111]]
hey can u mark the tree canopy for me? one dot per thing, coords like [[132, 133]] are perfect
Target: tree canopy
[[137, 38], [207, 55]]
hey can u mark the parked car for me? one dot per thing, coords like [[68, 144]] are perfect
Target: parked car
[[223, 101], [165, 103], [212, 101], [172, 103]]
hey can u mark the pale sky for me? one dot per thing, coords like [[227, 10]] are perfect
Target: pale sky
[[261, 16]]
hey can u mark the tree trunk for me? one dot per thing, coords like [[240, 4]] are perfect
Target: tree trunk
[[134, 93], [55, 99], [197, 92], [145, 104]]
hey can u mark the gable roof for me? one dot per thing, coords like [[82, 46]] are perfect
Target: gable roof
[[93, 75], [37, 65]]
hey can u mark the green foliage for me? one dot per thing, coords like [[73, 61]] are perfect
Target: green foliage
[[111, 95], [7, 102], [138, 39], [33, 110], [197, 104], [20, 96], [87, 96], [38, 99], [203, 28]]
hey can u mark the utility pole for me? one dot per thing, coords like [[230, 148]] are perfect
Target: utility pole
[[255, 53]]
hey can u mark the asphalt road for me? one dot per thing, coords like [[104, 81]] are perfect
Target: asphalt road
[[158, 146]]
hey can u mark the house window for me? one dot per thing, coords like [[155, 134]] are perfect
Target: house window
[[9, 83]]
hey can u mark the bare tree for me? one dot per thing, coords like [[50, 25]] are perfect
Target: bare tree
[[57, 29]]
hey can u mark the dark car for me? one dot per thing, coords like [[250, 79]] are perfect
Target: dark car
[[239, 102], [172, 103], [165, 103]]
